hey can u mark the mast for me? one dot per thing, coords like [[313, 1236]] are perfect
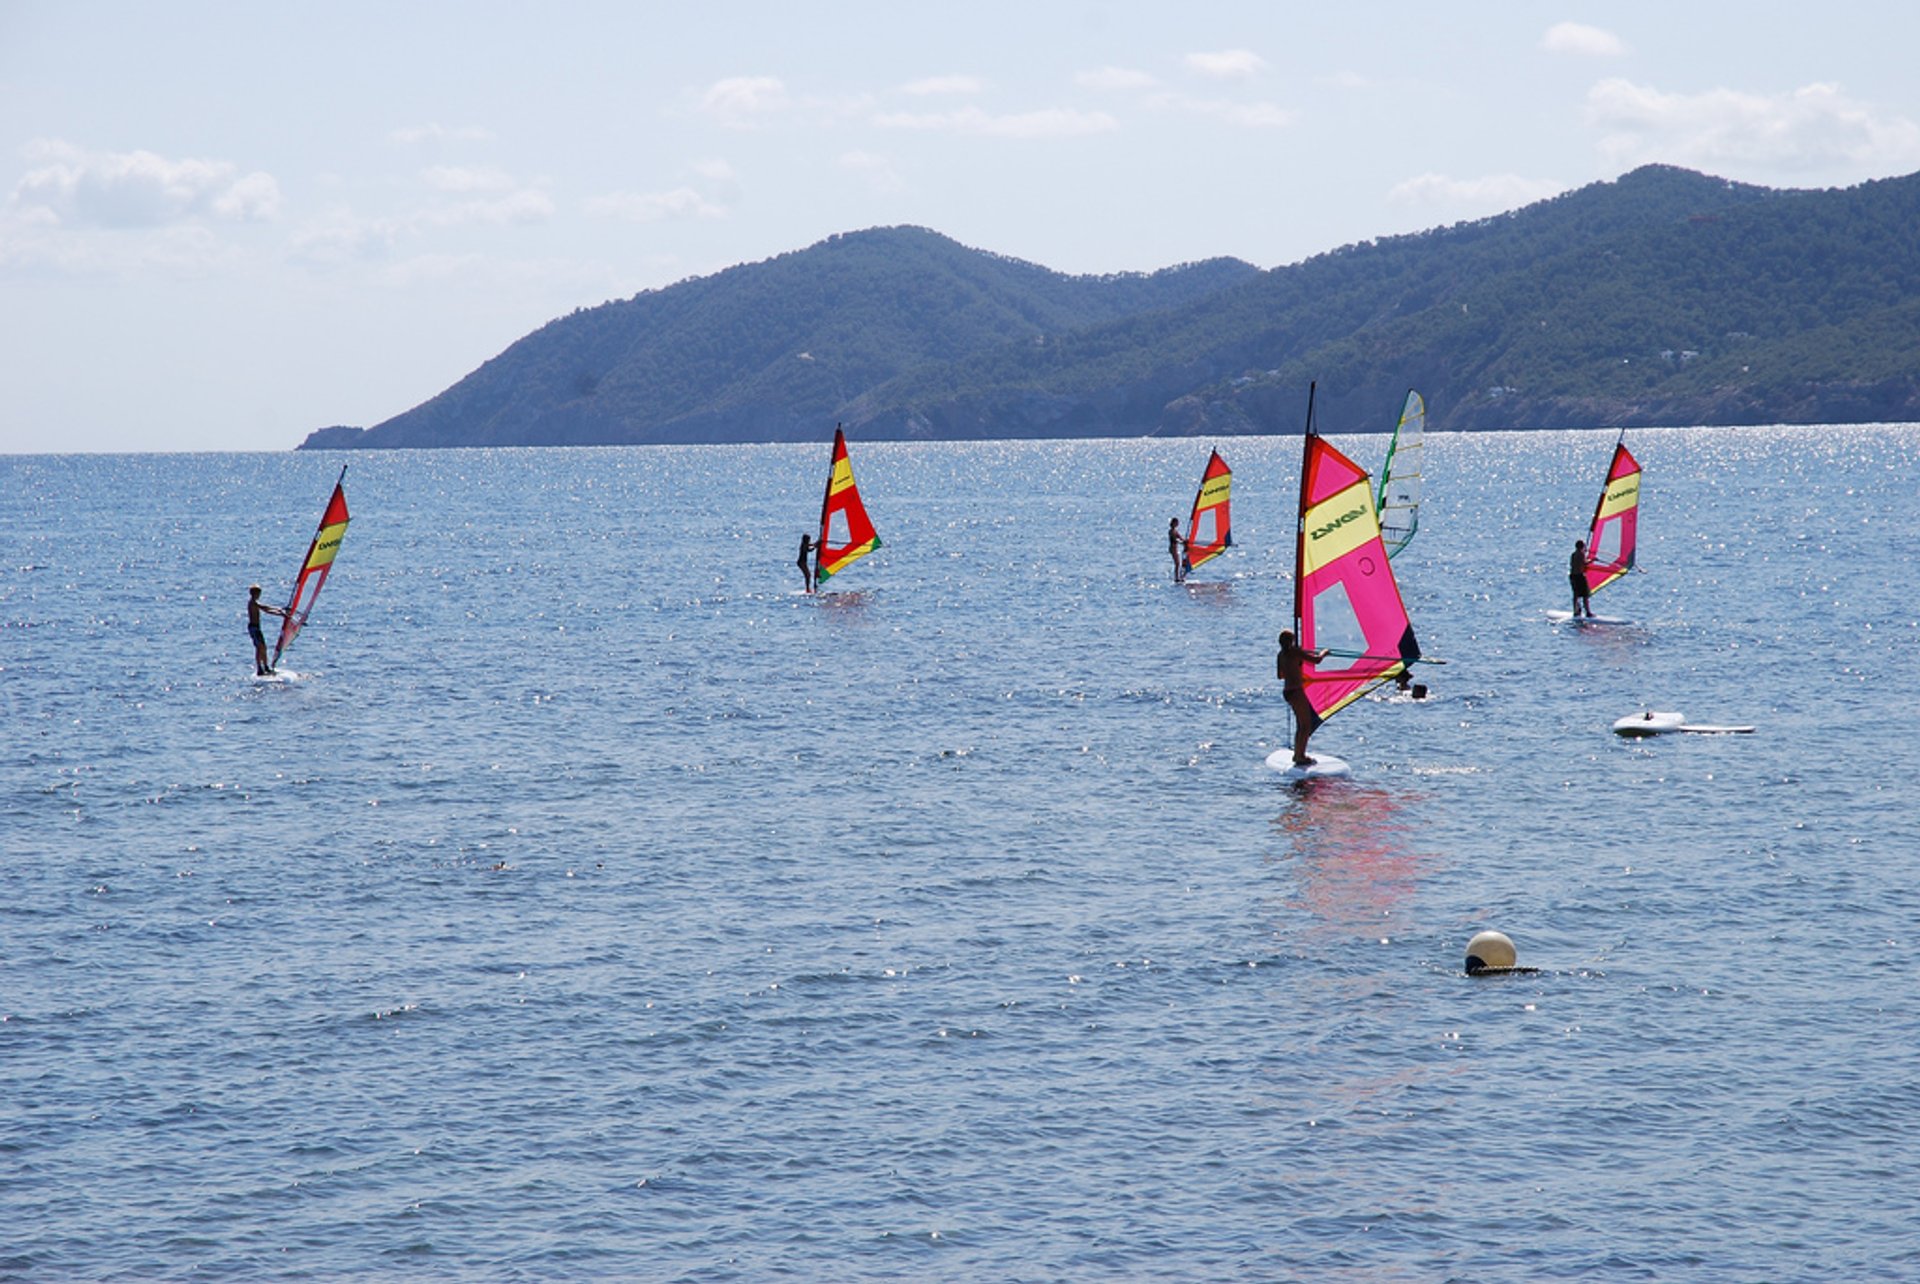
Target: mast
[[1300, 522]]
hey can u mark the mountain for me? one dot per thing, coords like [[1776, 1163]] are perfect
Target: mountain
[[770, 351], [1664, 297]]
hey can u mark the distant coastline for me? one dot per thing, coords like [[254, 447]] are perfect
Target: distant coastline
[[1666, 298]]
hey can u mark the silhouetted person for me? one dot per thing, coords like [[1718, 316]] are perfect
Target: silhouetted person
[[255, 608], [1177, 549], [1289, 667], [1577, 577], [805, 561]]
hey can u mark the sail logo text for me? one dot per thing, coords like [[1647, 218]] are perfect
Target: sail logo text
[[1338, 522], [1631, 488]]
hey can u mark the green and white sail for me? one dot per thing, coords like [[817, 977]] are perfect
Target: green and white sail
[[1400, 482]]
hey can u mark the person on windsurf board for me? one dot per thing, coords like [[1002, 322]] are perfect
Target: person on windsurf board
[[1577, 577], [256, 608], [1177, 548], [1288, 667], [805, 560]]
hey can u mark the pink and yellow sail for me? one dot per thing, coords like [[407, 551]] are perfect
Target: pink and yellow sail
[[1344, 595], [1612, 539], [843, 542], [1210, 528], [314, 570]]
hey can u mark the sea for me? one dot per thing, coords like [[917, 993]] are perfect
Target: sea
[[590, 902]]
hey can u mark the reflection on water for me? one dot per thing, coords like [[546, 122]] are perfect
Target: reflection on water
[[1348, 845], [1211, 592]]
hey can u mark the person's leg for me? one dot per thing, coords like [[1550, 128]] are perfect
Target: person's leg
[[1302, 727]]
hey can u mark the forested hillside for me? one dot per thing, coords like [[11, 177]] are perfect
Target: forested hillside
[[1665, 297], [772, 351]]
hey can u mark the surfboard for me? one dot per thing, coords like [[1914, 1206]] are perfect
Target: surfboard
[[1324, 766], [1568, 617], [1649, 723], [1710, 729], [278, 675]]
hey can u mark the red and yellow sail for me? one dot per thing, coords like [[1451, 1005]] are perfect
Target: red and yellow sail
[[1344, 595], [313, 571], [846, 532], [1210, 529], [1616, 522]]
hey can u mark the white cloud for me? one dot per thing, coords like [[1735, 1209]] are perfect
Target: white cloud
[[185, 250], [944, 85], [339, 235], [1578, 38], [1348, 80], [1056, 122], [1810, 129], [1121, 78], [1259, 115], [750, 102], [655, 207], [714, 170], [876, 169], [466, 178], [1227, 64], [526, 206], [740, 100], [69, 186], [1491, 194], [409, 135], [254, 198]]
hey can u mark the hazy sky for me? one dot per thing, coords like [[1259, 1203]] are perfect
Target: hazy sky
[[224, 225]]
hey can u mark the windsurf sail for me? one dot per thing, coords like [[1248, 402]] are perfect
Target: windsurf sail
[[846, 532], [1210, 529], [1616, 521], [1344, 595], [1400, 482], [313, 571]]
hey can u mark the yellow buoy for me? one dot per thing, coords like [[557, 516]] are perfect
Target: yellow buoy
[[1490, 951]]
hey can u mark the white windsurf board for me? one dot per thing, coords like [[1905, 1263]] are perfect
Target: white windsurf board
[[1715, 729], [1568, 617], [1649, 723], [1323, 767]]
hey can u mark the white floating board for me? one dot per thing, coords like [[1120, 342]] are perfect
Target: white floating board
[[1650, 723], [1568, 617], [1711, 729], [1324, 766]]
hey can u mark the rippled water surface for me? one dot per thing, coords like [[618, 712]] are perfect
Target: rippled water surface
[[597, 905]]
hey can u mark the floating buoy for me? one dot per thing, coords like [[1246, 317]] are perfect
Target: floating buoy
[[1490, 952]]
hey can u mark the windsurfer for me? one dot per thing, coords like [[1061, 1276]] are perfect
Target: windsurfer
[[1577, 577], [805, 561], [1289, 667], [255, 608], [1177, 548], [1405, 682]]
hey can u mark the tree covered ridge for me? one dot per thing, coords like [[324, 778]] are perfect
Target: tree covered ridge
[[1665, 296]]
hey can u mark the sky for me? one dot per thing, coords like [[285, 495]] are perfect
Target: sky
[[225, 225]]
